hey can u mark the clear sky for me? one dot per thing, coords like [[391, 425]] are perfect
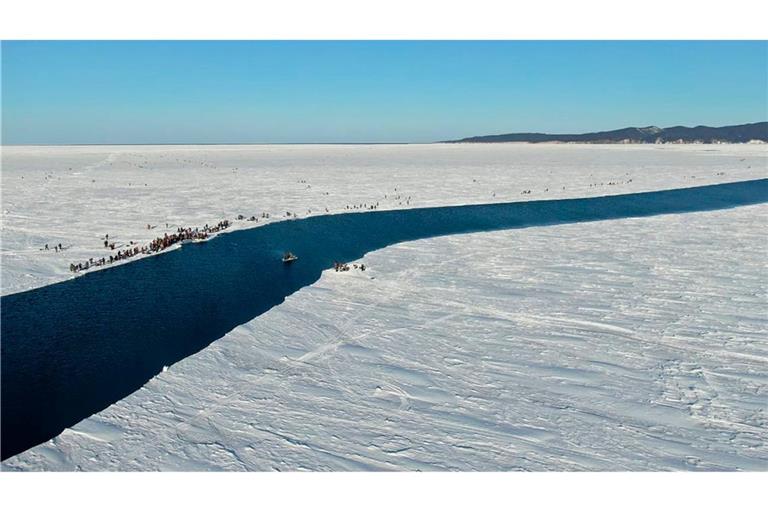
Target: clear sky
[[368, 91]]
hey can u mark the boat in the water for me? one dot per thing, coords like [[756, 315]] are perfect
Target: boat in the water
[[289, 257]]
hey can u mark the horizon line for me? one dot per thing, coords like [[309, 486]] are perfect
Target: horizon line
[[217, 143], [443, 141]]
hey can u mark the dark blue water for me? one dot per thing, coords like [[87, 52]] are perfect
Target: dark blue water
[[73, 348]]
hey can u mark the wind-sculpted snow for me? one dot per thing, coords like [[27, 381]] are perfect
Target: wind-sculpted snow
[[73, 348]]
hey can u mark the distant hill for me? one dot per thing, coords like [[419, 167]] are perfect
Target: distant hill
[[649, 134]]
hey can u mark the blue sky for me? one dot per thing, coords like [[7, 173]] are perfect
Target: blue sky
[[62, 92]]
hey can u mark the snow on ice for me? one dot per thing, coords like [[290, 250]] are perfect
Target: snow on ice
[[633, 344]]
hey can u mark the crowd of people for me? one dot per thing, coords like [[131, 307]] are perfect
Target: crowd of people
[[344, 267], [183, 234], [156, 245], [361, 206], [77, 267], [610, 183]]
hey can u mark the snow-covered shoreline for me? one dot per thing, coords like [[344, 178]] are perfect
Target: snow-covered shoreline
[[74, 195]]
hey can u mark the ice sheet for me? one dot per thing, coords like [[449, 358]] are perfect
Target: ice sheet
[[634, 344], [75, 195]]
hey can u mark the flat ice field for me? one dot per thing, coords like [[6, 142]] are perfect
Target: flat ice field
[[633, 344], [76, 195]]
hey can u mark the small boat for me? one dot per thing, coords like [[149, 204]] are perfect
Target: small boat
[[289, 257]]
